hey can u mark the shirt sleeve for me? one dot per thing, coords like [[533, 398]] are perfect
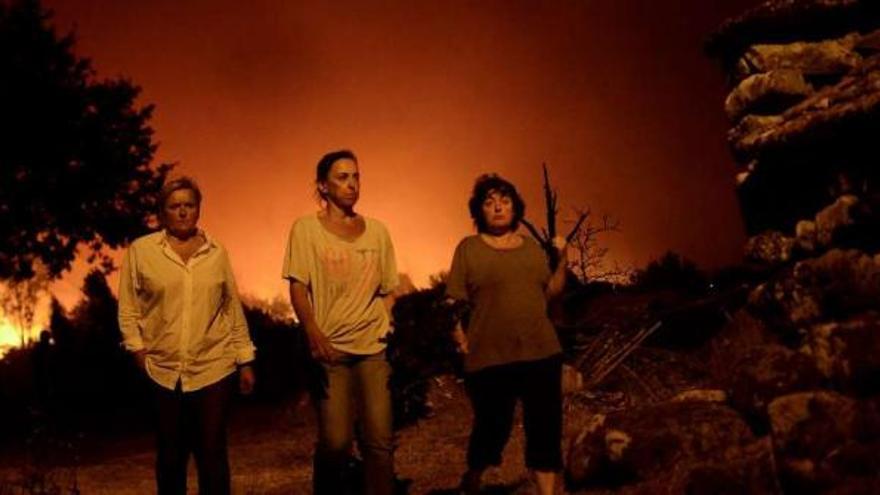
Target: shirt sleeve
[[456, 282], [390, 279], [296, 255], [241, 338], [129, 312]]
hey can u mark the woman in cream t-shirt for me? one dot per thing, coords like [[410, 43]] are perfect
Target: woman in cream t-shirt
[[341, 270]]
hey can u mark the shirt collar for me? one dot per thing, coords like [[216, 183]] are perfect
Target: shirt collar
[[162, 239]]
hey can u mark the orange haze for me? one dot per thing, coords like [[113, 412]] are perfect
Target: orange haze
[[615, 96]]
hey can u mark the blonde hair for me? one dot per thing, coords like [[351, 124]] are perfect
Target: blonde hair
[[177, 184]]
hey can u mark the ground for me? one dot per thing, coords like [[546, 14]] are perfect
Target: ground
[[271, 453]]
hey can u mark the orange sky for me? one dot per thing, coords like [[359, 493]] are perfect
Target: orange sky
[[616, 96]]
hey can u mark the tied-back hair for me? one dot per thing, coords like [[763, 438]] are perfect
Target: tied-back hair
[[325, 164], [485, 185]]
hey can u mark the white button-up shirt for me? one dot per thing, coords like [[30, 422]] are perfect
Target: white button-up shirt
[[186, 315]]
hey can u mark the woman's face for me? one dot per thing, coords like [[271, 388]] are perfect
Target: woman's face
[[343, 184], [498, 211], [181, 212]]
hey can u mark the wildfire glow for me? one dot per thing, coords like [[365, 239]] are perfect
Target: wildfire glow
[[10, 334], [9, 337]]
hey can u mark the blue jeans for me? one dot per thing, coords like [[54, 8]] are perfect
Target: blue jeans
[[355, 387]]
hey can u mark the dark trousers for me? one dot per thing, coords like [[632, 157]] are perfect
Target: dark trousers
[[193, 422], [494, 391]]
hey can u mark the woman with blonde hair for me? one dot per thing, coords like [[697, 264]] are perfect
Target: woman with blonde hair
[[181, 318]]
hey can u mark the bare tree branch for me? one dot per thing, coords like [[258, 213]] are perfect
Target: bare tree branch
[[577, 226], [533, 231]]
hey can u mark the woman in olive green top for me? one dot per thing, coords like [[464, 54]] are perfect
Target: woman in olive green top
[[510, 346]]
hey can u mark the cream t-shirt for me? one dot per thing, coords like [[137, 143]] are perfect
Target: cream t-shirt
[[346, 281]]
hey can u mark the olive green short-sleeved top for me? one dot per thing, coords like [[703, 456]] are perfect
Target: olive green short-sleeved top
[[505, 289]]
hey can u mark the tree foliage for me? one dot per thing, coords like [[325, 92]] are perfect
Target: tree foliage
[[75, 151], [670, 271], [19, 299], [420, 348]]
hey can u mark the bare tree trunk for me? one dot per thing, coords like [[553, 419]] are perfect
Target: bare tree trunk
[[546, 235]]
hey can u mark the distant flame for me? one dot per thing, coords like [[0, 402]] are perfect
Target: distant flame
[[10, 334], [9, 337]]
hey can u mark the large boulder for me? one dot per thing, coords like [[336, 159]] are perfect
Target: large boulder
[[836, 284], [786, 21], [823, 440], [834, 217], [822, 58], [848, 352], [835, 116], [738, 337], [767, 372], [663, 445], [770, 248], [767, 94]]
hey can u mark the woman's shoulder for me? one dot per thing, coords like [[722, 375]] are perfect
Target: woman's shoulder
[[377, 227], [373, 223], [531, 242], [469, 242], [305, 222], [151, 239], [532, 247], [214, 243]]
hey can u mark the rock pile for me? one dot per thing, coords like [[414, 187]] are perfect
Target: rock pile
[[797, 370]]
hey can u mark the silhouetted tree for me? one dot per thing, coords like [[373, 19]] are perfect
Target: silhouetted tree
[[96, 312], [19, 299], [59, 324], [588, 263], [283, 359], [421, 347], [75, 151]]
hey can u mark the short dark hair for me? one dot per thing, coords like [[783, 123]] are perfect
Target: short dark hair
[[177, 184], [483, 187], [326, 163]]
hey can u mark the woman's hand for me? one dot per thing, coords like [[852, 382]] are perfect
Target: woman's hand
[[246, 379], [561, 246], [460, 339], [556, 284], [320, 347], [140, 358]]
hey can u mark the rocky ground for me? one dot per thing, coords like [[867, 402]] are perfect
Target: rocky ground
[[270, 447], [271, 454]]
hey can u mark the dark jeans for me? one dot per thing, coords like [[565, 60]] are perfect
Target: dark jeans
[[354, 387], [494, 391], [193, 422]]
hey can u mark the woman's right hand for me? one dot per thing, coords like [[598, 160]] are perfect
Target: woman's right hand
[[320, 347], [140, 358], [460, 339]]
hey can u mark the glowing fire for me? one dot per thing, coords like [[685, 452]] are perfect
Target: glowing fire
[[9, 337], [10, 334]]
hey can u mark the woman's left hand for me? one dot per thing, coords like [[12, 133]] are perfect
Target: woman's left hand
[[246, 379], [561, 245]]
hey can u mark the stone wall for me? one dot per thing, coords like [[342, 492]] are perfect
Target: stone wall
[[797, 370]]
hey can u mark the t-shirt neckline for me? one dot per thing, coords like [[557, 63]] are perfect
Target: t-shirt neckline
[[337, 236]]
